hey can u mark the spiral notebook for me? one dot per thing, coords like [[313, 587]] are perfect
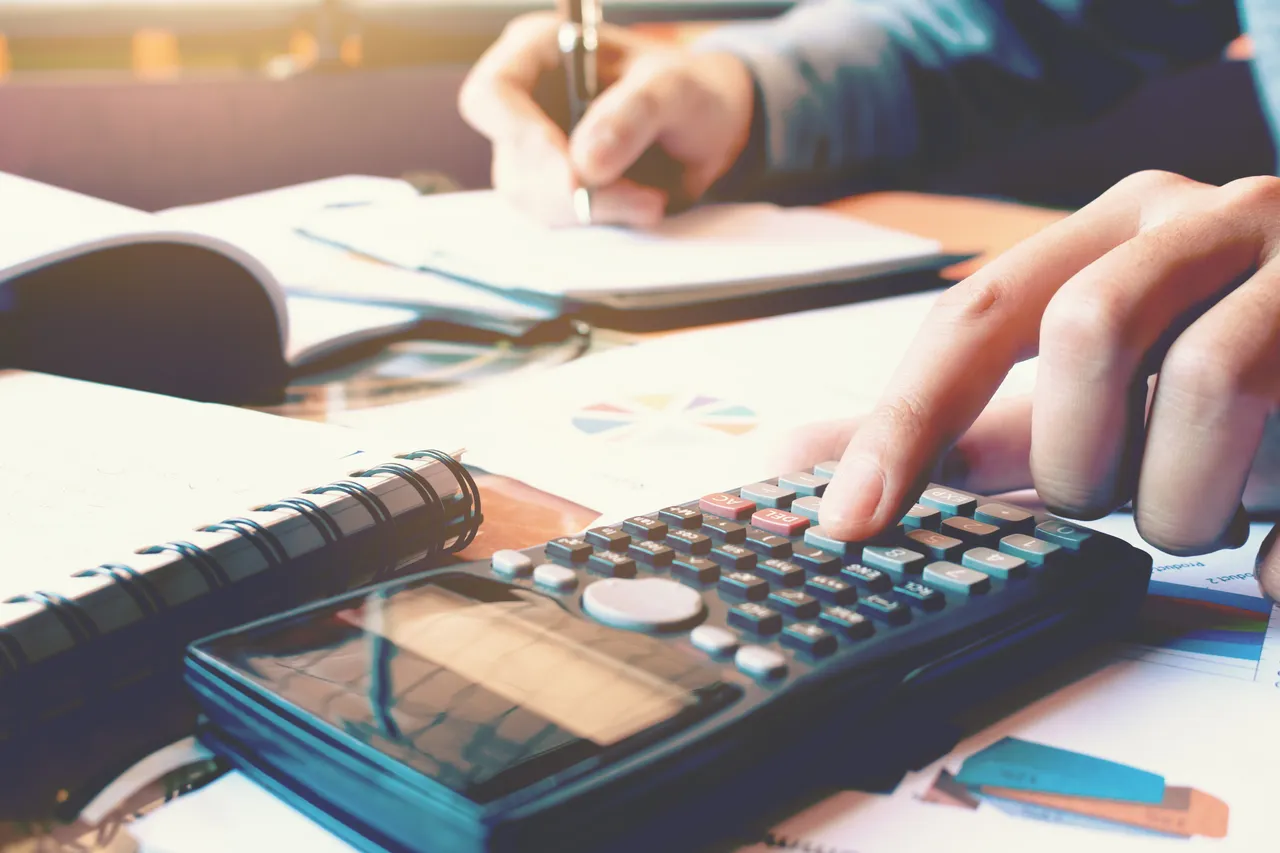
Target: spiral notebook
[[132, 523]]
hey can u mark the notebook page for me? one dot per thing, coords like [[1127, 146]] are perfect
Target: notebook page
[[479, 236], [90, 473]]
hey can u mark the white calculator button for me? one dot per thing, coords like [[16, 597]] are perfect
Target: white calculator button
[[713, 640], [555, 577], [642, 604], [759, 662], [513, 564]]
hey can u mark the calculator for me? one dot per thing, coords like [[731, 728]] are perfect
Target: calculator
[[660, 683]]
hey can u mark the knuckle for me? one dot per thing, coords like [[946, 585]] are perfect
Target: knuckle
[[1085, 332], [1261, 191], [904, 417], [1149, 182], [976, 300], [1202, 372]]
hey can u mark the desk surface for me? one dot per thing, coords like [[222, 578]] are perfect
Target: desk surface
[[518, 516]]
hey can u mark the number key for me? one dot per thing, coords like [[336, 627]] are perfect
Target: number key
[[970, 530], [1035, 551], [937, 545], [1067, 535], [998, 564], [898, 562], [922, 517]]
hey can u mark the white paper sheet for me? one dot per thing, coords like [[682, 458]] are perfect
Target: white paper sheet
[[480, 237]]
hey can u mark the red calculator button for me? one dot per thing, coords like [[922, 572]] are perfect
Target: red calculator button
[[727, 506], [779, 522]]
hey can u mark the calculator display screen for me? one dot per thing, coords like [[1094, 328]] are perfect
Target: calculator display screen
[[482, 686]]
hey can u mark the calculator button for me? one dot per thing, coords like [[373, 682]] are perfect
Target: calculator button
[[611, 564], [827, 469], [1067, 535], [949, 501], [954, 578], [724, 531], [921, 517], [867, 578], [681, 516], [568, 549], [805, 484], [970, 530], [898, 562], [850, 623], [885, 610], [939, 546], [759, 662], [609, 538], [554, 577], [734, 557], [811, 639], [794, 603], [512, 564], [815, 560], [645, 604], [643, 527], [1035, 551], [1010, 519], [818, 538], [920, 596], [755, 618], [727, 506], [807, 506], [689, 541], [695, 569], [768, 544], [743, 586], [782, 573], [779, 522], [767, 494], [652, 554], [713, 640], [831, 590], [998, 564]]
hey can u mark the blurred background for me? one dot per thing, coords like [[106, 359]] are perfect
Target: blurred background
[[155, 103]]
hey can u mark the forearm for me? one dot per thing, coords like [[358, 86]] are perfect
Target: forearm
[[877, 90]]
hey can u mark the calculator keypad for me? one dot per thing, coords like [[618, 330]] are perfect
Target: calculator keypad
[[786, 586]]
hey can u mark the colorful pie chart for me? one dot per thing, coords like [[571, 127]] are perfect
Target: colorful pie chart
[[659, 415]]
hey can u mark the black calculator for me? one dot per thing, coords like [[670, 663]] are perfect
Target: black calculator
[[661, 683]]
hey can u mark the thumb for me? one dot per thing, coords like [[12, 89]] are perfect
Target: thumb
[[625, 120]]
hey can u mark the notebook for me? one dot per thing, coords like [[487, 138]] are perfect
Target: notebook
[[222, 302], [132, 523], [707, 253]]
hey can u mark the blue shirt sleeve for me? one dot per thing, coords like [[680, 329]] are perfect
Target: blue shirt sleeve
[[876, 91]]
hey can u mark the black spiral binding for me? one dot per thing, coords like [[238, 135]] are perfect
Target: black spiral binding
[[148, 599], [435, 506], [328, 529], [79, 624], [377, 510], [266, 542], [82, 629], [210, 569], [471, 493]]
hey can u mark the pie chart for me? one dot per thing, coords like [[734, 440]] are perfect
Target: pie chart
[[665, 417]]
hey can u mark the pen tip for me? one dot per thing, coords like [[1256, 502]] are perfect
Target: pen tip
[[582, 205]]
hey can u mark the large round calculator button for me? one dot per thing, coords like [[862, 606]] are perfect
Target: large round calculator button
[[512, 564], [642, 604], [555, 577], [713, 640], [759, 662]]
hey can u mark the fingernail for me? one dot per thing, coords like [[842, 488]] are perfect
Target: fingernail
[[855, 493]]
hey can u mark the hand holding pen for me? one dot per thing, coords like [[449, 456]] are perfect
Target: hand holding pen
[[647, 97]]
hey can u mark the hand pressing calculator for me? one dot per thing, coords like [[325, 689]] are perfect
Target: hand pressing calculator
[[657, 684]]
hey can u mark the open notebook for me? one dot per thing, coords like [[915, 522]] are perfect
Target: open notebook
[[131, 524], [708, 253]]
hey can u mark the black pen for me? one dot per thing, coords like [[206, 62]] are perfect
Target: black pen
[[579, 40]]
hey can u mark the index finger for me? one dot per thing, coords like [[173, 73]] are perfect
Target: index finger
[[497, 96], [975, 333]]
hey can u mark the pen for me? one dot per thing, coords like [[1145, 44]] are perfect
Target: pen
[[579, 40]]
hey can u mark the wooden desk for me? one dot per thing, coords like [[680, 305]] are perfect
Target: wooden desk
[[518, 516]]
